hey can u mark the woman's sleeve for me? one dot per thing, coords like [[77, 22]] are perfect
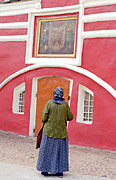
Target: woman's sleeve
[[69, 114], [45, 113]]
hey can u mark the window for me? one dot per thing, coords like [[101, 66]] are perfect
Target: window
[[85, 105], [88, 107], [19, 99]]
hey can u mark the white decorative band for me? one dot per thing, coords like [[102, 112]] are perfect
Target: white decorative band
[[101, 33], [14, 25], [34, 9], [80, 39], [13, 38], [57, 10], [73, 68], [100, 17], [18, 8], [93, 3]]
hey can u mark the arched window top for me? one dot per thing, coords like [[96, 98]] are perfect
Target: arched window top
[[19, 99], [85, 105]]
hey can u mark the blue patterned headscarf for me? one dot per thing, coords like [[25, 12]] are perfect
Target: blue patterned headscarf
[[58, 94]]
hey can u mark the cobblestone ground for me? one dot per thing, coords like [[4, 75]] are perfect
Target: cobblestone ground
[[21, 150]]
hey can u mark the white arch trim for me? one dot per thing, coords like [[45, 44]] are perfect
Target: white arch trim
[[71, 67]]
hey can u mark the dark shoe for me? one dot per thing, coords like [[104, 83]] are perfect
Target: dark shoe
[[44, 173], [60, 175]]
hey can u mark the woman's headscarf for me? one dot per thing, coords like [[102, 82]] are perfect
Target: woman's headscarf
[[58, 94]]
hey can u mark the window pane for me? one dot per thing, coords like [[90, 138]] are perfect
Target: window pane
[[91, 109], [86, 96], [91, 97], [86, 115], [88, 107], [91, 103], [91, 115], [86, 103], [21, 101], [85, 109]]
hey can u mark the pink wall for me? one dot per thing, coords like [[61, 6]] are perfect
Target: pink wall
[[58, 3], [100, 9], [12, 58], [12, 54], [98, 57], [105, 25], [16, 18], [101, 134]]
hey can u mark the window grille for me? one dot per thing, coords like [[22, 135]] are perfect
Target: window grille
[[21, 101], [88, 107], [85, 105]]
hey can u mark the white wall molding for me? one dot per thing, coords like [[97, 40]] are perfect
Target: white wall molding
[[52, 11], [79, 37], [14, 25], [99, 17], [72, 61], [32, 7], [29, 38], [56, 10], [93, 3], [99, 34], [19, 8], [13, 38], [29, 6], [73, 68]]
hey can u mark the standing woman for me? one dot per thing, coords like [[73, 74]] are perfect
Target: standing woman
[[53, 154]]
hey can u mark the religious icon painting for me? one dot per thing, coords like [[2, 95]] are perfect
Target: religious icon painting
[[56, 37]]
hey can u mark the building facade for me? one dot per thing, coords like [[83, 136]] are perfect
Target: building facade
[[69, 43]]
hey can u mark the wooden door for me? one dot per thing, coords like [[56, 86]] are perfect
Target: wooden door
[[45, 89]]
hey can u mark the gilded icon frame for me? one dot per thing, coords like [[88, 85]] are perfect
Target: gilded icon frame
[[56, 37]]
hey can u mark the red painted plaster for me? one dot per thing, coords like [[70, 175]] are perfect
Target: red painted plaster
[[102, 25], [100, 9], [99, 56], [15, 18], [58, 3], [12, 58], [10, 32], [100, 134]]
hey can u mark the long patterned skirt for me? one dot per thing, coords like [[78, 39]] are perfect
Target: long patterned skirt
[[53, 155]]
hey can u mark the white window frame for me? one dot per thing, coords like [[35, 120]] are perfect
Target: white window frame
[[80, 107], [63, 11], [17, 90]]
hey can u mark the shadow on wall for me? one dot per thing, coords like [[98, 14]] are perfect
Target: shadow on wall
[[8, 1]]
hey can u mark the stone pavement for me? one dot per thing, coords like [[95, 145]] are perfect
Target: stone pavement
[[21, 172], [18, 158]]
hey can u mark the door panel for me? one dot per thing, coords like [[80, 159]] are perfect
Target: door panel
[[45, 89]]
